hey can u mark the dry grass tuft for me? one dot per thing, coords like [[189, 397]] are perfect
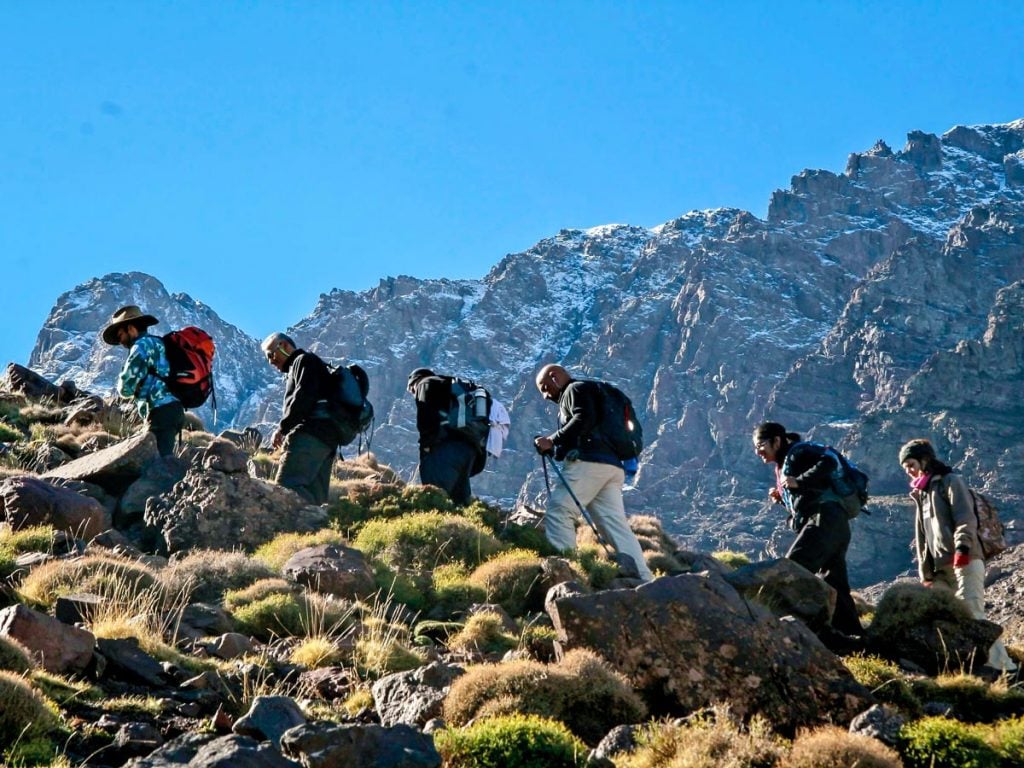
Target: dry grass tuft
[[208, 573], [96, 574], [833, 747]]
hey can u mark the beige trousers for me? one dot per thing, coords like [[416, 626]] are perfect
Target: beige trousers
[[599, 489], [968, 583]]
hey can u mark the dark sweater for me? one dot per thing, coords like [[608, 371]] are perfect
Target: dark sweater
[[579, 414], [307, 390]]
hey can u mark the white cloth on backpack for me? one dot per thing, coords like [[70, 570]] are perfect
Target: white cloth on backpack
[[500, 422]]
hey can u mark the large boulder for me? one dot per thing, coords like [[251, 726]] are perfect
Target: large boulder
[[201, 750], [113, 468], [786, 588], [333, 569], [208, 508], [689, 641], [414, 697], [269, 717], [29, 383], [325, 745], [56, 646], [930, 628], [158, 477], [27, 501]]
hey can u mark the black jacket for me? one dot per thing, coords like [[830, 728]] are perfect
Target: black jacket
[[433, 398], [579, 414], [307, 389], [813, 468]]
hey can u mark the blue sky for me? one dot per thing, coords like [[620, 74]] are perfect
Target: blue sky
[[257, 154]]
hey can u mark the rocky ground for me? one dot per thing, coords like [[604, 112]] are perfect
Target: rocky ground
[[188, 611]]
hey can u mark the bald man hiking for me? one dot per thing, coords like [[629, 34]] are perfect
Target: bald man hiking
[[592, 470]]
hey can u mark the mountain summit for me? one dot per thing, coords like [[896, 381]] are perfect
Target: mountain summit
[[869, 307]]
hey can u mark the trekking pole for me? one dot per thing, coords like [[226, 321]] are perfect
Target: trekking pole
[[579, 506]]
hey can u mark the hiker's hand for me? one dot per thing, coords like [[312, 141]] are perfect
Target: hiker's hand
[[543, 445], [774, 495], [961, 559], [926, 583], [791, 483], [276, 440]]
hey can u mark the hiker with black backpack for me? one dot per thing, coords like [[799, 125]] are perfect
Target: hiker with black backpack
[[452, 418], [592, 475], [804, 474], [950, 554], [307, 431], [143, 378]]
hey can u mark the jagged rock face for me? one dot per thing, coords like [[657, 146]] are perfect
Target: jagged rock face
[[869, 307], [69, 345]]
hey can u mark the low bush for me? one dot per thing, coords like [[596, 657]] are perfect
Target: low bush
[[8, 433], [597, 570], [713, 738], [425, 540], [511, 741], [98, 574], [275, 608], [833, 747], [936, 742], [885, 681], [274, 615], [452, 592], [581, 691], [28, 721], [276, 552], [236, 598], [14, 657], [316, 652], [483, 632], [206, 574], [973, 700], [907, 605], [399, 586], [38, 538], [1008, 739], [513, 580], [731, 559]]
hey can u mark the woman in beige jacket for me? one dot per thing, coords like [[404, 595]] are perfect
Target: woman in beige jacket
[[946, 535]]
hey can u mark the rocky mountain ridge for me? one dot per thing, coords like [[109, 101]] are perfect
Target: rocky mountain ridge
[[869, 306]]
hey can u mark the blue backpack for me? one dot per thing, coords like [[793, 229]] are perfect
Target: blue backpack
[[849, 482]]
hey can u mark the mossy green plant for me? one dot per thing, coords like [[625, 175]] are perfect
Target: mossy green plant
[[206, 574], [885, 680], [29, 722], [425, 540], [731, 559], [400, 586], [316, 652], [274, 615], [37, 538], [513, 580], [938, 742], [1008, 740], [98, 574], [597, 570], [452, 592], [483, 632], [973, 699], [582, 691], [511, 741], [14, 657], [9, 433]]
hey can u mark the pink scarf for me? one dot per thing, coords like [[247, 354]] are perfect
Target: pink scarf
[[920, 482]]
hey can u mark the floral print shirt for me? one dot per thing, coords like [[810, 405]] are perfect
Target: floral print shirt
[[136, 379]]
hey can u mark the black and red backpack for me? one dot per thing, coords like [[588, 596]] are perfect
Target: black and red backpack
[[190, 355]]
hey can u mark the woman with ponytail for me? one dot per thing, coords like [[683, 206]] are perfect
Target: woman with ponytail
[[803, 482], [946, 535]]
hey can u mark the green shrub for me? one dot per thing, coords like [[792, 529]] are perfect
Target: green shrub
[[401, 587], [425, 540], [909, 605], [26, 716], [526, 537], [274, 608], [483, 632], [511, 741], [452, 592], [513, 580], [275, 615], [597, 569], [1008, 737], [8, 434], [14, 657], [276, 552], [885, 681], [935, 742], [713, 738], [488, 515], [731, 559], [581, 691], [833, 747], [236, 598], [38, 538], [100, 574], [973, 699], [208, 573]]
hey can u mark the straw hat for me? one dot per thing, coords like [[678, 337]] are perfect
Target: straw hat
[[125, 316]]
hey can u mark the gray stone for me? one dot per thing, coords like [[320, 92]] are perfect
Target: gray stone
[[127, 661], [72, 609], [333, 569], [137, 739], [621, 738], [55, 646], [159, 476], [268, 718], [879, 722], [231, 645], [27, 501], [208, 751], [113, 468], [225, 456], [786, 589], [413, 697], [325, 745], [688, 641]]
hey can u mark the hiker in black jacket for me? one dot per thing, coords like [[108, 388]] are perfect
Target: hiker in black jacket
[[803, 475], [447, 459], [306, 431]]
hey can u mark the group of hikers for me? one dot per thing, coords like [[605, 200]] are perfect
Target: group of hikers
[[946, 542]]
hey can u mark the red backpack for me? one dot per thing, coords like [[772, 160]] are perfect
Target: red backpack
[[190, 355]]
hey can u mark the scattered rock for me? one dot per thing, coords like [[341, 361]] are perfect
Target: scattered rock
[[113, 468], [57, 647], [879, 722], [27, 501], [325, 745], [333, 569], [128, 662], [414, 697], [786, 589], [207, 751], [268, 718]]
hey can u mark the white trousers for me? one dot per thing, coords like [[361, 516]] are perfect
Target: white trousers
[[968, 583], [599, 489]]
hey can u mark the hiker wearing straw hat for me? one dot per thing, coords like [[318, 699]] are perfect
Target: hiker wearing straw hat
[[142, 378]]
